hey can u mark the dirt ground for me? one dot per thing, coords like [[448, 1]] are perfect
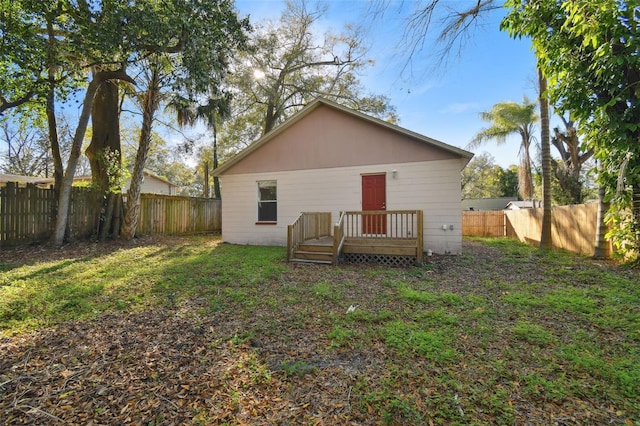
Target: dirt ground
[[170, 366]]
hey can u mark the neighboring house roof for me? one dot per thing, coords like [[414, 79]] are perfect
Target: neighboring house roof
[[4, 178], [516, 205], [448, 151], [484, 204], [147, 174]]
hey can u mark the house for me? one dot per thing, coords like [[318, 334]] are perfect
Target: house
[[332, 159], [24, 180], [485, 204], [151, 184], [154, 184], [517, 205]]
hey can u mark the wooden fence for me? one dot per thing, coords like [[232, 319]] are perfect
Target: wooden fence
[[27, 214], [173, 215], [573, 228], [483, 223]]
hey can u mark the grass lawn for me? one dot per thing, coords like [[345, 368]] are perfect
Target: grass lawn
[[193, 331]]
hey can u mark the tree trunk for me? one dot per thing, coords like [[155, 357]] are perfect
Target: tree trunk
[[104, 151], [108, 205], [206, 180], [269, 119], [105, 140], [132, 206], [545, 238], [525, 181], [602, 246], [58, 168], [635, 209], [216, 181], [64, 197]]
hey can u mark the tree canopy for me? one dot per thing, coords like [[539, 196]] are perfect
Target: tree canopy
[[50, 49], [482, 178], [506, 119], [588, 49], [288, 64]]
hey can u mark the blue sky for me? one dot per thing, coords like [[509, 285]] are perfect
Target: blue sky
[[440, 102]]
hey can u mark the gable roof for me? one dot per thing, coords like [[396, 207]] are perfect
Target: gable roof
[[317, 103], [483, 204]]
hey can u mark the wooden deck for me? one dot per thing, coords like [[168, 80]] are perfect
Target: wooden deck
[[398, 234]]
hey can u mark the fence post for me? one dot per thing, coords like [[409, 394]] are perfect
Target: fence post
[[289, 241]]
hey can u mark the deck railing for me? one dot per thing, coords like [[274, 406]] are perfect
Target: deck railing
[[385, 231], [383, 224], [392, 232], [309, 225], [338, 238], [316, 224]]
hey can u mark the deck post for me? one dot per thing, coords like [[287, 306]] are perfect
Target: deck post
[[289, 241], [336, 243], [420, 242]]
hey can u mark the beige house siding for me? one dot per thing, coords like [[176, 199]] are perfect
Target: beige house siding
[[432, 186], [154, 185], [318, 141]]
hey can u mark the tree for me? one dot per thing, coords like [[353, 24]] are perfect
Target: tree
[[203, 35], [27, 150], [50, 47], [39, 63], [288, 65], [509, 181], [588, 50], [150, 101], [105, 154], [162, 159], [216, 110], [22, 56], [64, 196], [568, 170], [89, 43], [201, 65], [506, 119], [545, 237], [482, 178], [456, 26]]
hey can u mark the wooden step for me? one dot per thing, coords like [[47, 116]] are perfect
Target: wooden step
[[319, 262], [316, 248], [312, 255]]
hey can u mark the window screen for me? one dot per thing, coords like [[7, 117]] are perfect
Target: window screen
[[267, 201]]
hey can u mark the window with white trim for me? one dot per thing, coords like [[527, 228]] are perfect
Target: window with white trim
[[267, 201]]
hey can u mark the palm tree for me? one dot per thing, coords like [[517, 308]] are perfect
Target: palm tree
[[545, 237], [506, 119], [216, 110]]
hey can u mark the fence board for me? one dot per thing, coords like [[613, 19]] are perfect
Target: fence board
[[172, 215], [27, 214], [483, 223], [573, 228]]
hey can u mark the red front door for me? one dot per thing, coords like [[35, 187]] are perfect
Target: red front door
[[374, 197]]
